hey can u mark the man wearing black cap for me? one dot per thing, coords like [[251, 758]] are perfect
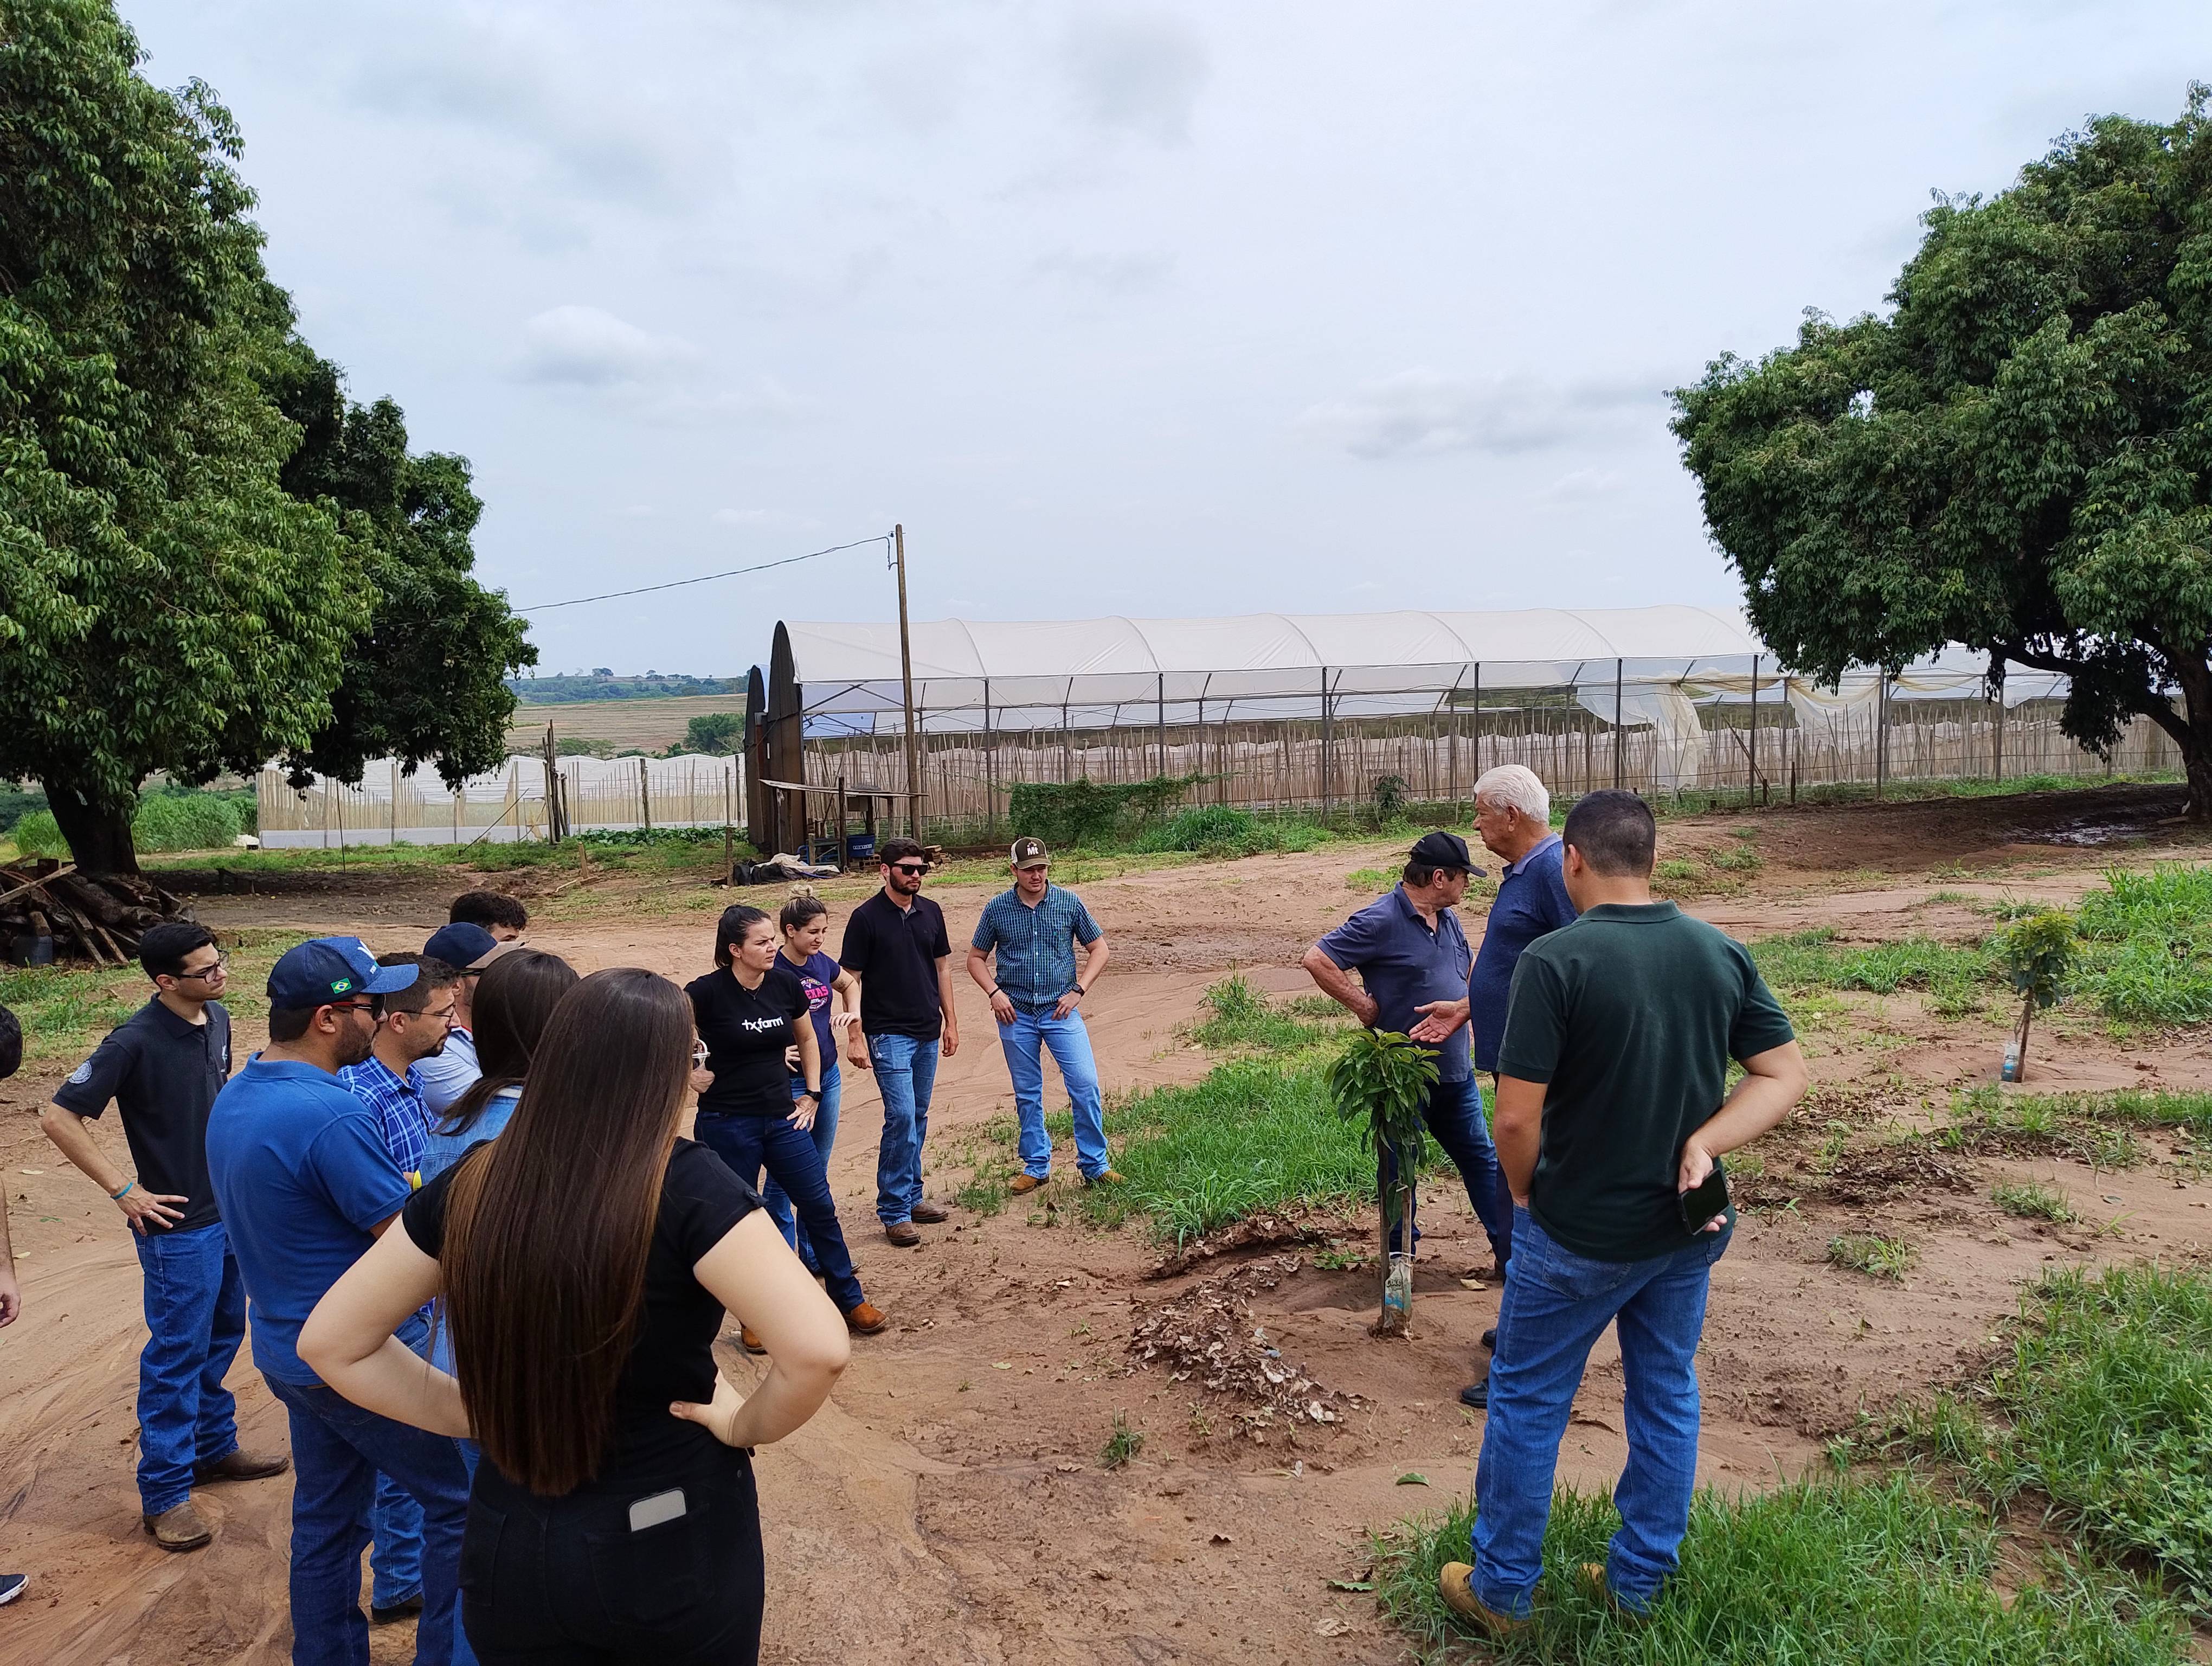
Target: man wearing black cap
[[300, 1168], [1410, 952], [447, 1074]]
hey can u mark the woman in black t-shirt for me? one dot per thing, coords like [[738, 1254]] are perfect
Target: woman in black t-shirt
[[586, 1258], [750, 1009]]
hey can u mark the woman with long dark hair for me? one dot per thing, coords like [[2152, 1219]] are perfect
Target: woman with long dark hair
[[750, 1009], [588, 1257], [514, 999]]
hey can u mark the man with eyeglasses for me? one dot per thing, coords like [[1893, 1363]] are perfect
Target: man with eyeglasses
[[414, 1024], [163, 1067], [307, 1185], [897, 946]]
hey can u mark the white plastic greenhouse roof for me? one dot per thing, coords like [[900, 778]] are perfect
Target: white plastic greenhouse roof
[[1109, 671], [1272, 657]]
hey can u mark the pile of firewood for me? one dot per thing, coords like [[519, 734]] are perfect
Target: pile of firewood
[[49, 911]]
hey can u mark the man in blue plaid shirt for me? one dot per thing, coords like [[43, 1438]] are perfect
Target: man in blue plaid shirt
[[412, 1025], [1035, 929]]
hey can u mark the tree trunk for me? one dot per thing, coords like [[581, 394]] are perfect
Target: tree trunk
[[99, 835]]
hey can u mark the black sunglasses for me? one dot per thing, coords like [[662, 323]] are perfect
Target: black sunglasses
[[910, 867]]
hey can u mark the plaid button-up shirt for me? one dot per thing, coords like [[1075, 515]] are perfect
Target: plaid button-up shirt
[[397, 1103]]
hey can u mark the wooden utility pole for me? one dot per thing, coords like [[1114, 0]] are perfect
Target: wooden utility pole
[[1619, 728], [906, 680]]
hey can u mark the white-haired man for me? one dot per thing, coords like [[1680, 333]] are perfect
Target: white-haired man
[[1513, 815]]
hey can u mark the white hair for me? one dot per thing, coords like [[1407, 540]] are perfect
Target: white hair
[[1519, 787]]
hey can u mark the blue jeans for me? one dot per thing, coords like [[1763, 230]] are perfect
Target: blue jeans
[[337, 1451], [825, 1137], [1557, 1305], [395, 1524], [749, 1143], [195, 1318], [906, 1070], [1454, 1114], [1023, 1041]]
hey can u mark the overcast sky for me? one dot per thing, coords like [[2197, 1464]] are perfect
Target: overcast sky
[[1245, 305]]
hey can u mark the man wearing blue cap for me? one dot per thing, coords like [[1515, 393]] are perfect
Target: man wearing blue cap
[[306, 1185], [452, 1070]]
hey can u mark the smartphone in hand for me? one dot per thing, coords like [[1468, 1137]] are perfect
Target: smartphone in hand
[[1705, 1201]]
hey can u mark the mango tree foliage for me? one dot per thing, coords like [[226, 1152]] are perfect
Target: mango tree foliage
[[2018, 456]]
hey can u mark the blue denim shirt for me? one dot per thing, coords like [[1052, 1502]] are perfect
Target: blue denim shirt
[[1531, 901], [1404, 965], [1035, 945]]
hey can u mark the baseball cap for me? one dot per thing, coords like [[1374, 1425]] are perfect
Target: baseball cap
[[330, 969], [1028, 852], [464, 947], [1444, 850]]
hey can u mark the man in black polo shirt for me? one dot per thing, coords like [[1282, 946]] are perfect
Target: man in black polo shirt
[[164, 1066], [896, 944]]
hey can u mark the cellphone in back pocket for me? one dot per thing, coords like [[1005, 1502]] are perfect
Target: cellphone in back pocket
[[652, 1512], [1704, 1201]]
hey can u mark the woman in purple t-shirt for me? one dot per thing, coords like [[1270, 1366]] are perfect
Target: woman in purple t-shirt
[[833, 1001]]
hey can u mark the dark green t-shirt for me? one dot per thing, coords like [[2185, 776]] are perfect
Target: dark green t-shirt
[[1629, 1016]]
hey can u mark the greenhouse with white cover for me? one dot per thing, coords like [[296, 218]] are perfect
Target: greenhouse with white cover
[[1326, 715]]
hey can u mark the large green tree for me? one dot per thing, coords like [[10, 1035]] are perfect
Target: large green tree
[[2017, 456], [178, 590]]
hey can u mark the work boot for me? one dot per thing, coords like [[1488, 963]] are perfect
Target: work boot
[[179, 1528], [901, 1233], [391, 1613], [238, 1464], [929, 1214], [1490, 1339], [1103, 1177], [865, 1319], [1022, 1184], [1452, 1585], [1476, 1396]]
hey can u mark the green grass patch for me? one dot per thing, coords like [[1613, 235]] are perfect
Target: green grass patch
[[2104, 1419], [2096, 1126], [1877, 1257], [1255, 1134], [2149, 942], [1815, 960], [164, 821], [1122, 1444], [1835, 1571], [1371, 878], [1239, 1016], [2031, 1200], [65, 1010]]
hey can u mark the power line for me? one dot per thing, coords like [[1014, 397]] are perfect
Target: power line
[[707, 578]]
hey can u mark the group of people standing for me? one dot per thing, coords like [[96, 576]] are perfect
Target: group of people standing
[[454, 1405], [511, 1400], [1606, 1020]]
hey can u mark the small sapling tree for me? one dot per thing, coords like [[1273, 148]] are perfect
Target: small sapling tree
[[1380, 1081], [2037, 955]]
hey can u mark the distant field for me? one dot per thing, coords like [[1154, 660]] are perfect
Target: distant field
[[653, 724]]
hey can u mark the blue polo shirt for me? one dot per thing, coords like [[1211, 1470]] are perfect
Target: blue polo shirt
[[1405, 965], [1035, 945], [1532, 900], [300, 1168]]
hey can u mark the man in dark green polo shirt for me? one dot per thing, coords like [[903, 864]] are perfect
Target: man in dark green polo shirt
[[1611, 1110]]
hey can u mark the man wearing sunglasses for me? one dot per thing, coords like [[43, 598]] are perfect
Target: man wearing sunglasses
[[307, 1185], [897, 946], [163, 1068], [413, 1027]]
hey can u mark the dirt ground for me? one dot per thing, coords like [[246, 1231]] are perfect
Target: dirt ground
[[950, 1504]]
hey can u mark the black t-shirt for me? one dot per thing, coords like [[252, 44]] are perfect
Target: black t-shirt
[[745, 1032], [673, 1358], [164, 1073], [894, 951]]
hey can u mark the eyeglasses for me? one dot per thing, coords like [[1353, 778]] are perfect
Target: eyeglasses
[[912, 870], [214, 968], [443, 1015]]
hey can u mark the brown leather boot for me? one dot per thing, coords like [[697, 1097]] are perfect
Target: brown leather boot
[[930, 1215], [902, 1234], [238, 1464], [179, 1528], [1023, 1183], [866, 1319]]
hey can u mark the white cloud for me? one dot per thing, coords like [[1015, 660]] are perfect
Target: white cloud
[[1141, 72], [584, 345], [1109, 274], [1422, 412]]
